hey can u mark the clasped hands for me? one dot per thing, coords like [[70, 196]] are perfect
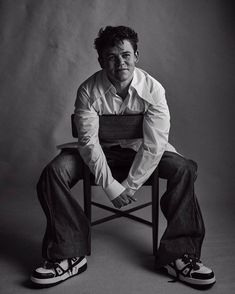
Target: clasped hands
[[123, 200]]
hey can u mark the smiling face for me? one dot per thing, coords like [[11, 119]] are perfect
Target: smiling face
[[119, 62]]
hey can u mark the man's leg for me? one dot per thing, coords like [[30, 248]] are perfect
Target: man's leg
[[67, 237], [180, 246], [185, 228], [68, 230]]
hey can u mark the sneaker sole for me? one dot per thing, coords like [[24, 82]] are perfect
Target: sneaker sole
[[76, 270], [190, 281]]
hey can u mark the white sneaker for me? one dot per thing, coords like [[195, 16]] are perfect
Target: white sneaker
[[191, 270], [52, 273]]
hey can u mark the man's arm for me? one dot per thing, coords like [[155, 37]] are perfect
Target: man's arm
[[156, 126], [87, 123]]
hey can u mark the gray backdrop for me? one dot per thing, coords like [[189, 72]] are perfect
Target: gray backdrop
[[46, 51]]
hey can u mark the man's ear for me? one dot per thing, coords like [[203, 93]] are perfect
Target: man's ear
[[136, 56], [101, 62]]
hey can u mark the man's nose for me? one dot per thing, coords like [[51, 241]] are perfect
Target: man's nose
[[120, 61]]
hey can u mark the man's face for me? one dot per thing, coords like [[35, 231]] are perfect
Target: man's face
[[119, 62]]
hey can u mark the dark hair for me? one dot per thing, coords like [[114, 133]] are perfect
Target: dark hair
[[111, 36]]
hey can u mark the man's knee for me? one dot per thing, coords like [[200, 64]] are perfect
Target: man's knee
[[65, 169], [188, 167], [56, 169]]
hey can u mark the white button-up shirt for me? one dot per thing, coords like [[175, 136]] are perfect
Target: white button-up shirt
[[97, 96]]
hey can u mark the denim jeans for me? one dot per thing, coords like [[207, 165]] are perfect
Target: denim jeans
[[68, 230]]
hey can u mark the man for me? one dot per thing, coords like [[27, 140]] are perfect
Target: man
[[121, 88]]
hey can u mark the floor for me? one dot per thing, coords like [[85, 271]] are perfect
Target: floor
[[121, 260]]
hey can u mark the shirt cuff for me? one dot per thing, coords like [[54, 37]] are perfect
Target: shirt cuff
[[130, 191], [114, 190]]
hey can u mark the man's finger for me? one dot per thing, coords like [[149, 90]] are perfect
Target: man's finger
[[132, 198], [125, 200]]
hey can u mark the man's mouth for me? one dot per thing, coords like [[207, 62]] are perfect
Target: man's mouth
[[122, 69]]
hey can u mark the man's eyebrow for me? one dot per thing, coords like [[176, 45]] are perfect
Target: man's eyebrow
[[123, 52]]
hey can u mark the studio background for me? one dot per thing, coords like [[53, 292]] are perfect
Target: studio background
[[46, 51]]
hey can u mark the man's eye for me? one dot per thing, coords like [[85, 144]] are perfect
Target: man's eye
[[127, 55], [110, 58]]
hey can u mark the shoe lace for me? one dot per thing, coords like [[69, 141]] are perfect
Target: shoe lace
[[49, 264], [192, 261]]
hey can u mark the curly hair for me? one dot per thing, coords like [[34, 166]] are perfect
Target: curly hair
[[111, 36]]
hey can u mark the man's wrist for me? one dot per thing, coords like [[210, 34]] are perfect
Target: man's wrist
[[129, 190], [114, 190]]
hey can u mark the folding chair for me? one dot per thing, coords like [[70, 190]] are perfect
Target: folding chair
[[111, 128]]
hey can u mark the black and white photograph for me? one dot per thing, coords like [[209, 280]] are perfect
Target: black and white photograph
[[117, 146]]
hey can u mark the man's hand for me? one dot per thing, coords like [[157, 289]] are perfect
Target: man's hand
[[123, 200]]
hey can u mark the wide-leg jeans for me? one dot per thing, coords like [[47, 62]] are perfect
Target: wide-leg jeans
[[68, 230]]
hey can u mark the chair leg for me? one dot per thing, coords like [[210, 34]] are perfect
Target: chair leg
[[87, 197], [155, 210], [87, 192]]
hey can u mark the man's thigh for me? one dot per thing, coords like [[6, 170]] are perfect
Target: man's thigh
[[172, 162]]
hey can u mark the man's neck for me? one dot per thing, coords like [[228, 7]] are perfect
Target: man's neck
[[122, 88]]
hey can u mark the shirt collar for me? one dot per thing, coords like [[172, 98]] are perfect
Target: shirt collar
[[139, 83]]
